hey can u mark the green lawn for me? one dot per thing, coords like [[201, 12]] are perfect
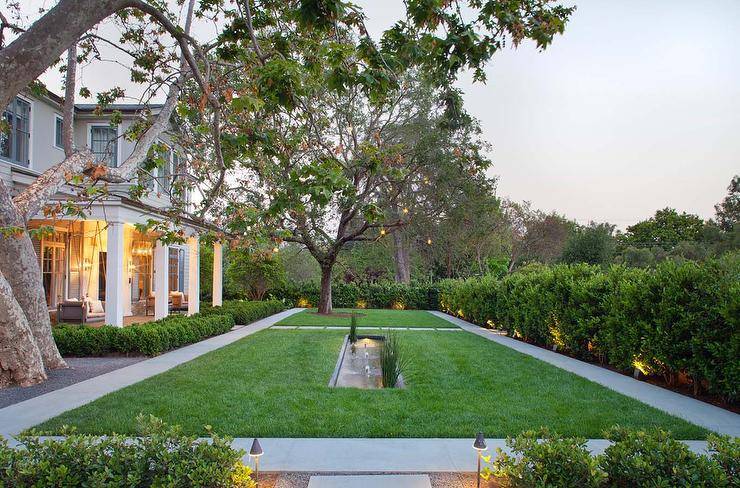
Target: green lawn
[[369, 318], [274, 384]]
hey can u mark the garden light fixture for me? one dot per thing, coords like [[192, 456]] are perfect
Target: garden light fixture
[[255, 452], [479, 445]]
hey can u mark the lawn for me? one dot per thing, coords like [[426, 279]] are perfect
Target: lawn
[[369, 318], [275, 384]]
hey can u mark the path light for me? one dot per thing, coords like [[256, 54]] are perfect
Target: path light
[[479, 445], [255, 452]]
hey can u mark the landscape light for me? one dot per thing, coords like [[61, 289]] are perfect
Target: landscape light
[[479, 445], [255, 452]]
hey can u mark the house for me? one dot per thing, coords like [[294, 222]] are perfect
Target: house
[[103, 259]]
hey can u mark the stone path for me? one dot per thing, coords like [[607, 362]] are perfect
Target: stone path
[[697, 412], [371, 481], [23, 415]]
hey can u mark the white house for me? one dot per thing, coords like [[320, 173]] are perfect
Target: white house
[[103, 260]]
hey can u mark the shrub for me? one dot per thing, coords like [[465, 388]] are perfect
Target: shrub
[[150, 339], [353, 329], [366, 295], [393, 361], [245, 312], [726, 451], [543, 459], [679, 318], [161, 456], [656, 459]]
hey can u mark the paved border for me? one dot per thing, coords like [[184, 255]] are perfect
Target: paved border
[[24, 415], [697, 412]]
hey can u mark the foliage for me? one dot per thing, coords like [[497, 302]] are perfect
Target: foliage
[[244, 312], [681, 317], [726, 451], [592, 244], [353, 328], [655, 458], [150, 339], [253, 274], [160, 456], [728, 210], [634, 458], [666, 229], [545, 459], [364, 295], [393, 360]]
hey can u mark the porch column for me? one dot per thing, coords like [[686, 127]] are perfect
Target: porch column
[[193, 275], [114, 275], [217, 274], [161, 282]]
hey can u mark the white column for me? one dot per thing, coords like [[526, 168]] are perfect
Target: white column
[[193, 275], [218, 274], [114, 275], [161, 281]]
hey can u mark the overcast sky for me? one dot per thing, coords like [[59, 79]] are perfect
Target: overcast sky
[[635, 108]]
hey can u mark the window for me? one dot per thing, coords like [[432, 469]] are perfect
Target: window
[[15, 139], [174, 269], [58, 129], [166, 171], [53, 265], [104, 144]]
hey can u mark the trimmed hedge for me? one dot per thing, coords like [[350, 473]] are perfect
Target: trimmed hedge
[[150, 339], [633, 459], [244, 312], [366, 295], [161, 456], [682, 318]]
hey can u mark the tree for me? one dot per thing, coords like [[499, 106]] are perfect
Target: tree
[[254, 274], [728, 210], [592, 244], [665, 229], [536, 236]]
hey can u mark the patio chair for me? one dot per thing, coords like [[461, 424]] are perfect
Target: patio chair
[[80, 312]]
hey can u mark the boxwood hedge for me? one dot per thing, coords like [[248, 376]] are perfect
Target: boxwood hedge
[[366, 295]]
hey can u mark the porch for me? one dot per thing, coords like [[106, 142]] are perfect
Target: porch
[[118, 276]]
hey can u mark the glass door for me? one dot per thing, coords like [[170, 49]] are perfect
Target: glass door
[[53, 272]]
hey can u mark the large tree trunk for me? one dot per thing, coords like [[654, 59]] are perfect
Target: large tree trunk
[[401, 257], [20, 265], [20, 359], [325, 298]]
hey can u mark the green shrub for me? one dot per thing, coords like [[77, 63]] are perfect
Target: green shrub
[[679, 318], [543, 459], [245, 312], [656, 459], [161, 456], [370, 295], [726, 451]]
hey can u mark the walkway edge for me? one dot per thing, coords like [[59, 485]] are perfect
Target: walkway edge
[[697, 412], [21, 416]]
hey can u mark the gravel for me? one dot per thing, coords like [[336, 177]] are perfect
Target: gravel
[[80, 369]]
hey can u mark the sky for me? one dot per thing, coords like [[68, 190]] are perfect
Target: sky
[[635, 108]]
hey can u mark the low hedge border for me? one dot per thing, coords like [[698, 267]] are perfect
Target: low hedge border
[[366, 295], [153, 338]]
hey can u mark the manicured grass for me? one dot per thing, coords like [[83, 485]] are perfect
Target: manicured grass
[[369, 318], [275, 384]]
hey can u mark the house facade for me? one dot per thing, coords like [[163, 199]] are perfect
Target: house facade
[[103, 260]]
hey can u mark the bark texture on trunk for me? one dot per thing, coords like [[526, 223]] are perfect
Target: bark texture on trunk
[[20, 358], [325, 305], [401, 257]]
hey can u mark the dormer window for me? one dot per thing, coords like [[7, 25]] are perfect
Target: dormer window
[[15, 135], [104, 144]]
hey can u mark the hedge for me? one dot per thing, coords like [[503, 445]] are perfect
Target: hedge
[[245, 312], [161, 456], [367, 295], [682, 318], [634, 458], [156, 337]]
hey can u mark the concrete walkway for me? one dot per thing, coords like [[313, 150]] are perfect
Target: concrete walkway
[[327, 455], [20, 416], [697, 412]]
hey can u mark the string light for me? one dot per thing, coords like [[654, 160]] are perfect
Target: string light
[[275, 249], [405, 210], [429, 241], [382, 232]]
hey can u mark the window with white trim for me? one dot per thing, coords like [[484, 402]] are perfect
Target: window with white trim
[[58, 132], [15, 136], [104, 144]]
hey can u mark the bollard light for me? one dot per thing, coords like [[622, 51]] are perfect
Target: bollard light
[[255, 452], [479, 445]]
